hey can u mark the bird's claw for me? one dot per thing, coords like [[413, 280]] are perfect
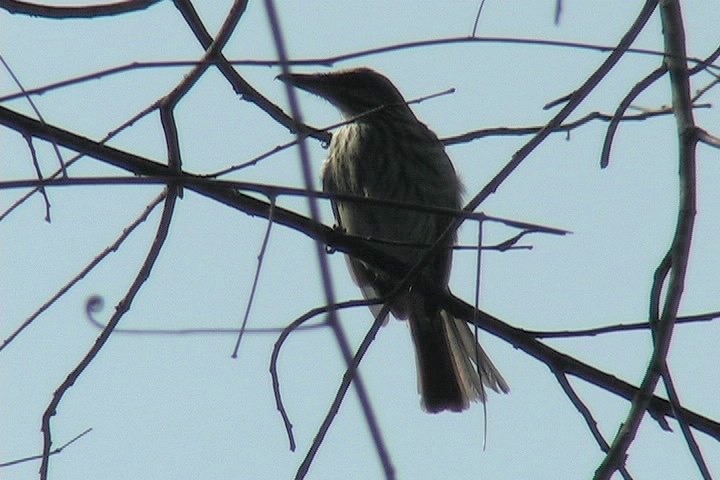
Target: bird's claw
[[329, 249]]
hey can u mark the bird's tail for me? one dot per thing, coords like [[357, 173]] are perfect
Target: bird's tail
[[453, 369]]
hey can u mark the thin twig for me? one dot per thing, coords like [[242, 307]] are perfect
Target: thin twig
[[95, 261], [477, 18], [279, 148], [702, 91], [35, 109], [120, 310], [54, 452], [587, 416], [661, 274], [202, 331], [348, 379], [623, 327], [639, 87], [327, 282], [476, 299], [565, 127], [692, 444], [38, 172], [74, 159], [256, 278], [294, 326]]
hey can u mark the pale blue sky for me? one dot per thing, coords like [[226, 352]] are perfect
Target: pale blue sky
[[179, 407]]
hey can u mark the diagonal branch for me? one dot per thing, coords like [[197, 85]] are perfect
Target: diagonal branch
[[239, 84], [674, 36], [120, 311], [358, 248], [588, 417]]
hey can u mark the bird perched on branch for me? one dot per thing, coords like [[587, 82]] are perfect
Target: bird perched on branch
[[384, 152]]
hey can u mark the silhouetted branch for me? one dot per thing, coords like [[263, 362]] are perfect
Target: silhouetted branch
[[88, 11], [678, 254], [639, 87], [326, 278], [120, 310], [294, 326], [54, 452], [95, 261], [358, 248], [591, 332], [256, 278], [588, 417]]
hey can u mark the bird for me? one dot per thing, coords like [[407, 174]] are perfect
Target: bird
[[383, 152]]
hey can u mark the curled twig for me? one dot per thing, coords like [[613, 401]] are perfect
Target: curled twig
[[294, 325]]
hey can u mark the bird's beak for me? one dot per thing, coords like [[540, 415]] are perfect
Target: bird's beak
[[324, 85], [286, 77], [312, 83], [294, 79]]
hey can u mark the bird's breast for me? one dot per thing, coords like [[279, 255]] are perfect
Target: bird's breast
[[344, 170]]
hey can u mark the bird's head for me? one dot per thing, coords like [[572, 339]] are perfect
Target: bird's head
[[353, 92]]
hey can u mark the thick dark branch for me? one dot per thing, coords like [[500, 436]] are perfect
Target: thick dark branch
[[239, 84], [90, 11], [560, 362], [359, 248]]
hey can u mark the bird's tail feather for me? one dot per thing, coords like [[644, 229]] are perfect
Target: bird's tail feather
[[453, 369]]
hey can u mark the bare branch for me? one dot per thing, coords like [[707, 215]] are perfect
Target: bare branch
[[325, 275], [256, 278], [294, 326], [639, 87], [121, 309], [357, 248], [54, 452], [89, 11], [107, 251], [674, 36], [587, 416], [591, 332], [708, 139]]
